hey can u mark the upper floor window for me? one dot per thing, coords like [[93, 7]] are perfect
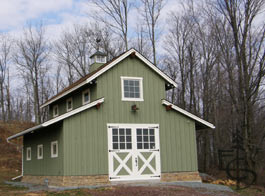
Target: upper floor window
[[69, 104], [86, 96], [55, 110], [132, 88], [28, 154], [40, 151], [54, 149]]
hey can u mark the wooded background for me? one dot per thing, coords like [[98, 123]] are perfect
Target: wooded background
[[213, 49]]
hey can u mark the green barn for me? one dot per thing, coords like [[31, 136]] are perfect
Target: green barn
[[114, 124]]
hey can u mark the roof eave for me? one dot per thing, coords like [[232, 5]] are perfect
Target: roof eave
[[57, 119], [204, 123]]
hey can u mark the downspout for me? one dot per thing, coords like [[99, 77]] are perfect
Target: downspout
[[22, 168]]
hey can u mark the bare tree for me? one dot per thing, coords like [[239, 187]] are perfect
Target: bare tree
[[249, 67], [151, 12], [5, 57], [31, 58], [115, 15]]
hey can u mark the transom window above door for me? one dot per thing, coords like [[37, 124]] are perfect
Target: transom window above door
[[132, 88]]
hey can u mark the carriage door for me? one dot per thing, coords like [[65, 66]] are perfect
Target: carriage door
[[134, 151]]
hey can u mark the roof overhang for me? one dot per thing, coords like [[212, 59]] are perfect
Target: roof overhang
[[110, 65], [57, 119], [202, 123]]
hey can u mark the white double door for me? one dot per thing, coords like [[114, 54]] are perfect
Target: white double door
[[134, 151]]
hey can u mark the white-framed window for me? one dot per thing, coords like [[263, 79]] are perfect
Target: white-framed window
[[132, 88], [28, 154], [86, 96], [55, 109], [40, 151], [69, 104], [54, 149]]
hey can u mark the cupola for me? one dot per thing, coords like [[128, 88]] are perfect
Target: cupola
[[97, 59]]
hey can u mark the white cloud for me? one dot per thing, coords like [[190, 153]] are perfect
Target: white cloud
[[14, 13]]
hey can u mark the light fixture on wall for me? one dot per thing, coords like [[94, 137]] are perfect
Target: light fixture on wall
[[134, 108]]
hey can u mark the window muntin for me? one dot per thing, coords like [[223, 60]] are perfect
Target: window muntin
[[40, 151], [55, 110], [145, 138], [28, 153], [121, 138], [132, 89], [86, 96], [69, 104], [54, 149]]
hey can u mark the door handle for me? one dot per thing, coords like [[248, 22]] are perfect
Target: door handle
[[136, 161]]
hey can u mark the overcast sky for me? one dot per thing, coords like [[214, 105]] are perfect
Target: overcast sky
[[55, 14]]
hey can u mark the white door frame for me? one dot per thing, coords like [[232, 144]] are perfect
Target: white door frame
[[135, 174]]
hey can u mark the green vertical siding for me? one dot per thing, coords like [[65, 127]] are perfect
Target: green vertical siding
[[47, 165], [85, 134]]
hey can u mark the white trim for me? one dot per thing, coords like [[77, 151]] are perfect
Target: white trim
[[59, 118], [83, 98], [40, 147], [28, 153], [140, 79], [152, 66], [196, 118], [67, 100], [52, 145], [53, 110], [63, 94]]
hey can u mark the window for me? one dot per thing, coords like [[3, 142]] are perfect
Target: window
[[132, 88], [121, 138], [100, 59], [55, 110], [28, 153], [86, 96], [54, 149], [40, 151], [69, 104], [145, 138]]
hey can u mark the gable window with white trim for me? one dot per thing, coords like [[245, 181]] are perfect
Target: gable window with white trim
[[40, 151], [54, 149], [55, 109], [28, 157], [132, 88], [69, 104], [86, 96]]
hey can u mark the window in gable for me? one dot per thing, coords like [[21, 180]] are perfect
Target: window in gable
[[28, 150], [40, 151], [86, 96], [55, 110], [132, 88], [69, 104]]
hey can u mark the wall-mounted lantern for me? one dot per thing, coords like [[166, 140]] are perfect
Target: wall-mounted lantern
[[134, 108]]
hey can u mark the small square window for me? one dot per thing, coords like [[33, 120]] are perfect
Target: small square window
[[132, 88], [86, 96], [40, 151], [69, 104], [28, 150], [55, 110], [54, 149]]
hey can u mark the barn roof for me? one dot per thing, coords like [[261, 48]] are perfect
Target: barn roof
[[102, 69], [199, 122], [57, 119]]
